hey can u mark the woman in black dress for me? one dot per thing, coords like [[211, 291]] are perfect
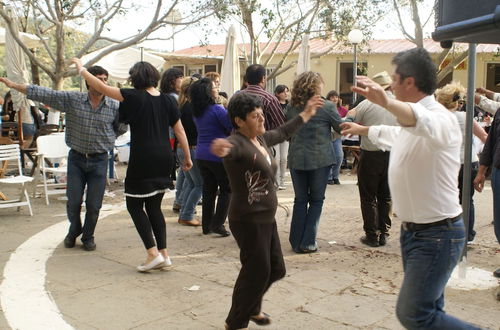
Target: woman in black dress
[[149, 114]]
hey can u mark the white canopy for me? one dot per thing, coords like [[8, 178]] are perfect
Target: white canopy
[[15, 66], [230, 72], [303, 63], [119, 62], [30, 40]]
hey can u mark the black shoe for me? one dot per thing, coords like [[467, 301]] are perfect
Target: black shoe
[[373, 242], [382, 239], [301, 250], [496, 273], [336, 181], [89, 245], [261, 319], [69, 241], [330, 182], [221, 231], [176, 208]]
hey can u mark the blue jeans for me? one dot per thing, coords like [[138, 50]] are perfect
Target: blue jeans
[[191, 189], [429, 257], [309, 187], [29, 129], [495, 186], [179, 184], [339, 157], [90, 172]]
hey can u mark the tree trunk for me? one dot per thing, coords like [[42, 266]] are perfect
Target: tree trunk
[[54, 116], [35, 73]]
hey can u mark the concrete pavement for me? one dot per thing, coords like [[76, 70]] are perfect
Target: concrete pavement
[[344, 286]]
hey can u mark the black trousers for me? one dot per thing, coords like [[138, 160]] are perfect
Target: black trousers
[[214, 177], [262, 264], [148, 219], [375, 197]]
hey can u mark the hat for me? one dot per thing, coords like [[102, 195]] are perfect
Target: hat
[[383, 79]]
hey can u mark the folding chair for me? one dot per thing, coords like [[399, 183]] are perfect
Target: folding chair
[[53, 153], [13, 153]]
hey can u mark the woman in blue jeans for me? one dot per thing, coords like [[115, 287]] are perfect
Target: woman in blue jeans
[[309, 158], [193, 182]]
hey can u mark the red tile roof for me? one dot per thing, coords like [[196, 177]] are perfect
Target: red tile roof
[[390, 46]]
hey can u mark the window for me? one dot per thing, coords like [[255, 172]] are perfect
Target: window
[[210, 68], [493, 77], [270, 84]]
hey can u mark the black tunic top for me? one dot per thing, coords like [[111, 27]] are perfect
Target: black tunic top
[[151, 156], [252, 176]]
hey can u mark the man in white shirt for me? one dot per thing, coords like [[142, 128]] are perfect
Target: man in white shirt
[[487, 100], [423, 169]]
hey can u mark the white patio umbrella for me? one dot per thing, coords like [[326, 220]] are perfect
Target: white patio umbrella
[[230, 72], [119, 62], [30, 40], [303, 63], [17, 72]]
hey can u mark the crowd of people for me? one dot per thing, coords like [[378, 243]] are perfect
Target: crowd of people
[[233, 155]]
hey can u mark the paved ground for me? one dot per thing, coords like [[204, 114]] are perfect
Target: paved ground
[[344, 286]]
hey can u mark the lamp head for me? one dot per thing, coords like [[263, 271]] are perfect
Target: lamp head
[[355, 36]]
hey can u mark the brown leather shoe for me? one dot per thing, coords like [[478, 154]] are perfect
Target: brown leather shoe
[[194, 222]]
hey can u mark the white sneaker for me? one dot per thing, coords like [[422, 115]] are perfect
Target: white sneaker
[[281, 187], [152, 264], [167, 263]]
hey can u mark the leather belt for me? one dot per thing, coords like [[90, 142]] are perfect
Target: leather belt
[[412, 226], [92, 155], [192, 147]]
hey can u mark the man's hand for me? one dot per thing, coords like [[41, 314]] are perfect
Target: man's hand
[[371, 90], [7, 82], [22, 88], [187, 164], [353, 129], [221, 147], [78, 63], [479, 182], [481, 90]]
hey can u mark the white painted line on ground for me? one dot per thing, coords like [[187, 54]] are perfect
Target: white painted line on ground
[[25, 302]]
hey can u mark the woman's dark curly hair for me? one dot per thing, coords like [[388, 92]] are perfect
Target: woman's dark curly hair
[[242, 104], [304, 87], [143, 75], [167, 84], [200, 94]]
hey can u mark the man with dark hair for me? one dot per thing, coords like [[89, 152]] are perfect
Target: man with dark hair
[[256, 79], [91, 129], [423, 170]]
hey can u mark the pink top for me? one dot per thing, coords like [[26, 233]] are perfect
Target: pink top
[[342, 111]]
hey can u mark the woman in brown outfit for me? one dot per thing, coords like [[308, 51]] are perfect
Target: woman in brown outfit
[[251, 169]]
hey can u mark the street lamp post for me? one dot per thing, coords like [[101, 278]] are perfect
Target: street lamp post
[[355, 37]]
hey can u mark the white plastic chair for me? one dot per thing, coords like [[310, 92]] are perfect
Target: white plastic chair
[[54, 149], [12, 152]]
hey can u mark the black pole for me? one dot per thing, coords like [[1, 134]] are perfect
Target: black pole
[[466, 184]]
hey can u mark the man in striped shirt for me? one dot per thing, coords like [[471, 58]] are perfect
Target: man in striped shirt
[[256, 78], [91, 129]]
